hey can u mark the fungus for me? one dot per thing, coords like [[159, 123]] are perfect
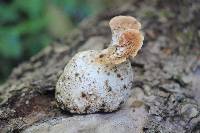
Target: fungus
[[96, 81]]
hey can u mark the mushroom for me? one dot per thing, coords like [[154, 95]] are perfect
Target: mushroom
[[95, 81]]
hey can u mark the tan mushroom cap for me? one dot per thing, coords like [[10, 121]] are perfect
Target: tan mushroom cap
[[124, 23], [127, 40], [131, 39]]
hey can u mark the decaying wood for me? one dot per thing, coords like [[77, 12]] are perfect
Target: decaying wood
[[167, 69]]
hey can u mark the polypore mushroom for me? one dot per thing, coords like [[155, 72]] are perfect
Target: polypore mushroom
[[96, 81]]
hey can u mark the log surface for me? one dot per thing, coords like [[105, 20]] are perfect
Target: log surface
[[166, 92]]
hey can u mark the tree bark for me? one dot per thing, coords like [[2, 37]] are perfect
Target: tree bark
[[166, 70]]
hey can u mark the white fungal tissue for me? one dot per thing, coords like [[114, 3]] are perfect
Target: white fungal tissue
[[100, 81]]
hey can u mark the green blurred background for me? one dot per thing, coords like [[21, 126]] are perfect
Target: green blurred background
[[27, 26]]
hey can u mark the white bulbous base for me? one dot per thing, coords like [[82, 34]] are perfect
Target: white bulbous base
[[87, 86]]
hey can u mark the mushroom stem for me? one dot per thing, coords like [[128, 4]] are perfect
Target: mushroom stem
[[126, 41]]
